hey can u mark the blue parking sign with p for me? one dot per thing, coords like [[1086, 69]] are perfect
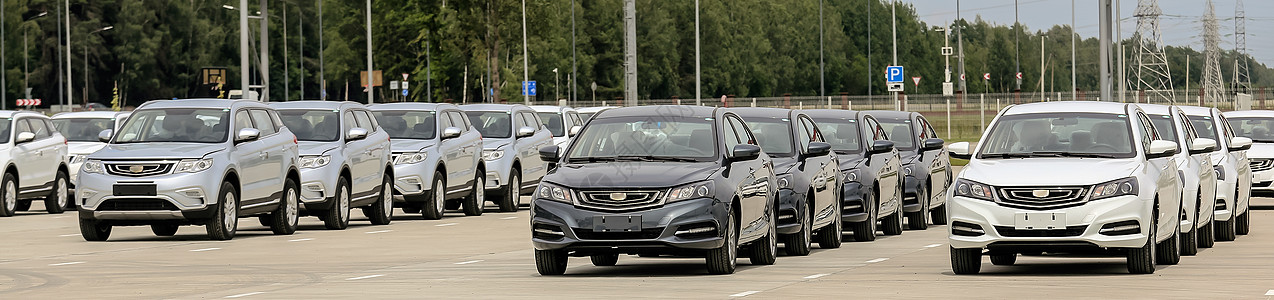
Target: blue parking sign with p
[[894, 74]]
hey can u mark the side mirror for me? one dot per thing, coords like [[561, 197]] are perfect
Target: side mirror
[[525, 132], [355, 134], [932, 144], [550, 154], [1162, 148], [1202, 145], [1240, 144], [105, 135], [450, 132], [24, 137], [744, 152], [961, 150], [818, 149], [880, 147], [574, 131], [247, 135]]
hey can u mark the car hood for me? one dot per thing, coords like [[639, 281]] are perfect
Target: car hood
[[1261, 150], [850, 161], [157, 150], [493, 143], [1048, 171], [315, 148], [405, 145], [631, 174], [80, 148], [784, 164]]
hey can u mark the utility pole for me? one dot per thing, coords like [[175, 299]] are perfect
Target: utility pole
[[429, 70], [1074, 64], [698, 74], [286, 83], [69, 91], [1119, 44], [526, 72], [245, 67], [300, 25], [322, 80], [960, 44], [822, 81], [630, 53], [61, 100], [265, 52], [1017, 47], [370, 86], [893, 19], [1104, 51], [1042, 37], [574, 76]]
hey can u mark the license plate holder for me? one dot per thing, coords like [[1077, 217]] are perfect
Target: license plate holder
[[1039, 221], [616, 223], [133, 190]]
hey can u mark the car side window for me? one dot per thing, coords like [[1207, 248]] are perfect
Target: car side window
[[1225, 127], [348, 122], [38, 127], [519, 121], [262, 119], [878, 133], [443, 120], [371, 120], [458, 121], [242, 121], [927, 128], [1188, 133], [21, 126], [745, 133], [364, 122], [731, 134], [815, 135], [804, 135], [1148, 132], [533, 120], [49, 124]]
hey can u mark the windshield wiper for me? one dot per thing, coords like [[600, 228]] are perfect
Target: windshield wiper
[[591, 159], [1072, 154], [655, 158], [1007, 155]]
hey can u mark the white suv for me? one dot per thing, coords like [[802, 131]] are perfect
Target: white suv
[[1234, 174], [1194, 164], [1066, 177], [34, 158]]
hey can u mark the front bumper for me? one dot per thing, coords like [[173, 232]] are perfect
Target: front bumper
[[318, 186], [910, 194], [414, 179], [1225, 204], [854, 205], [184, 196], [498, 172], [792, 209], [994, 225], [562, 226]]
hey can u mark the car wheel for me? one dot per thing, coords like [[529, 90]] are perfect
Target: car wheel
[[432, 209], [1170, 249], [1244, 223], [9, 195], [550, 262], [477, 199], [1007, 259], [920, 220], [865, 231], [94, 231], [286, 216], [225, 220], [765, 251], [966, 260], [1225, 230], [1207, 235], [604, 260], [722, 259], [829, 237], [893, 224], [1189, 242], [55, 203], [509, 202], [23, 205], [337, 218], [1142, 260], [164, 229], [798, 244], [939, 214], [382, 211]]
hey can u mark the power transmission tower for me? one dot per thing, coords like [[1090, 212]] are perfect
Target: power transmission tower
[[1213, 84], [1153, 74], [1241, 80]]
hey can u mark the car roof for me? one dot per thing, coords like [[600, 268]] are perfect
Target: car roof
[[15, 113], [89, 114], [762, 112], [413, 106], [1068, 106], [1155, 109], [890, 114], [493, 107], [315, 104], [1249, 113], [655, 111], [832, 114], [552, 108], [593, 109], [202, 103]]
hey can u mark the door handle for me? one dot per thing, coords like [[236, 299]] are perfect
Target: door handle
[[264, 155]]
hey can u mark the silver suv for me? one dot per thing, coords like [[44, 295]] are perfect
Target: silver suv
[[34, 157], [512, 136], [344, 161], [192, 162], [437, 157], [81, 129]]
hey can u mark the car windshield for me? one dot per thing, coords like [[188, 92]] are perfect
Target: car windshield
[[193, 125], [1203, 127], [554, 122], [492, 124], [1060, 134], [645, 138], [1255, 128], [773, 135], [1163, 126], [403, 124], [82, 129], [315, 125], [841, 133], [899, 132]]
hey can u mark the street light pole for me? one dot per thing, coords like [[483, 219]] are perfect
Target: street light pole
[[68, 53], [526, 72], [555, 94], [822, 81], [698, 74], [322, 80], [1074, 64], [370, 86], [86, 59], [1042, 37]]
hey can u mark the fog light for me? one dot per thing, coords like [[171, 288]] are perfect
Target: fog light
[[192, 193], [1121, 228], [966, 229], [86, 193], [696, 230], [546, 231]]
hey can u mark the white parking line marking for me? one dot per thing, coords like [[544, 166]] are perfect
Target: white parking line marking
[[816, 276], [508, 218], [380, 231], [205, 249], [877, 260], [745, 293], [66, 235], [301, 240], [365, 277], [66, 263], [245, 295], [1269, 293], [934, 245], [448, 224], [468, 262]]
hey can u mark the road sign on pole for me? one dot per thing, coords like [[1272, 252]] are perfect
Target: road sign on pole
[[393, 85], [894, 74], [404, 92], [405, 76], [986, 76], [404, 85], [528, 88], [916, 80]]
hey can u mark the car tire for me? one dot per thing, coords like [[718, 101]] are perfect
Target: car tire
[[798, 244], [966, 260], [381, 212], [604, 260], [765, 251], [1244, 223], [9, 195], [1007, 259], [1207, 235], [287, 215], [865, 231], [509, 201], [432, 209], [550, 262], [1225, 230], [920, 220], [94, 231], [893, 224], [1189, 243], [55, 202], [939, 214], [23, 205], [1170, 249], [164, 229], [225, 220], [337, 218], [1142, 260], [722, 260], [830, 236]]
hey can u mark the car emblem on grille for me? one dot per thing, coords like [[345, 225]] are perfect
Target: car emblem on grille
[[618, 196], [135, 168], [1039, 193]]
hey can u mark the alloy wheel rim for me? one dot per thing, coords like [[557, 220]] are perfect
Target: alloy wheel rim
[[10, 196], [229, 214], [732, 246], [439, 194], [387, 199], [61, 192], [343, 205], [480, 189], [515, 190], [292, 206]]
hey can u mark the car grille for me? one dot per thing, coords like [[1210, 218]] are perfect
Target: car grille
[[1009, 231], [644, 234], [139, 169], [620, 200], [1056, 197], [1262, 165], [135, 204]]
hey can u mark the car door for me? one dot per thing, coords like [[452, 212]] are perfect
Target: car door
[[753, 175], [1244, 170], [275, 149], [461, 158], [938, 162], [823, 181], [363, 167], [887, 164], [25, 157], [542, 137], [379, 139], [254, 171], [450, 151], [1164, 170], [1207, 175], [47, 150]]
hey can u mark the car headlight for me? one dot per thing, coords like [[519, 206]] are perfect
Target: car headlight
[[1126, 186], [548, 191], [490, 155], [972, 189], [315, 161], [784, 180], [1220, 172], [851, 175], [410, 158], [92, 166], [690, 191], [193, 165], [75, 159]]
